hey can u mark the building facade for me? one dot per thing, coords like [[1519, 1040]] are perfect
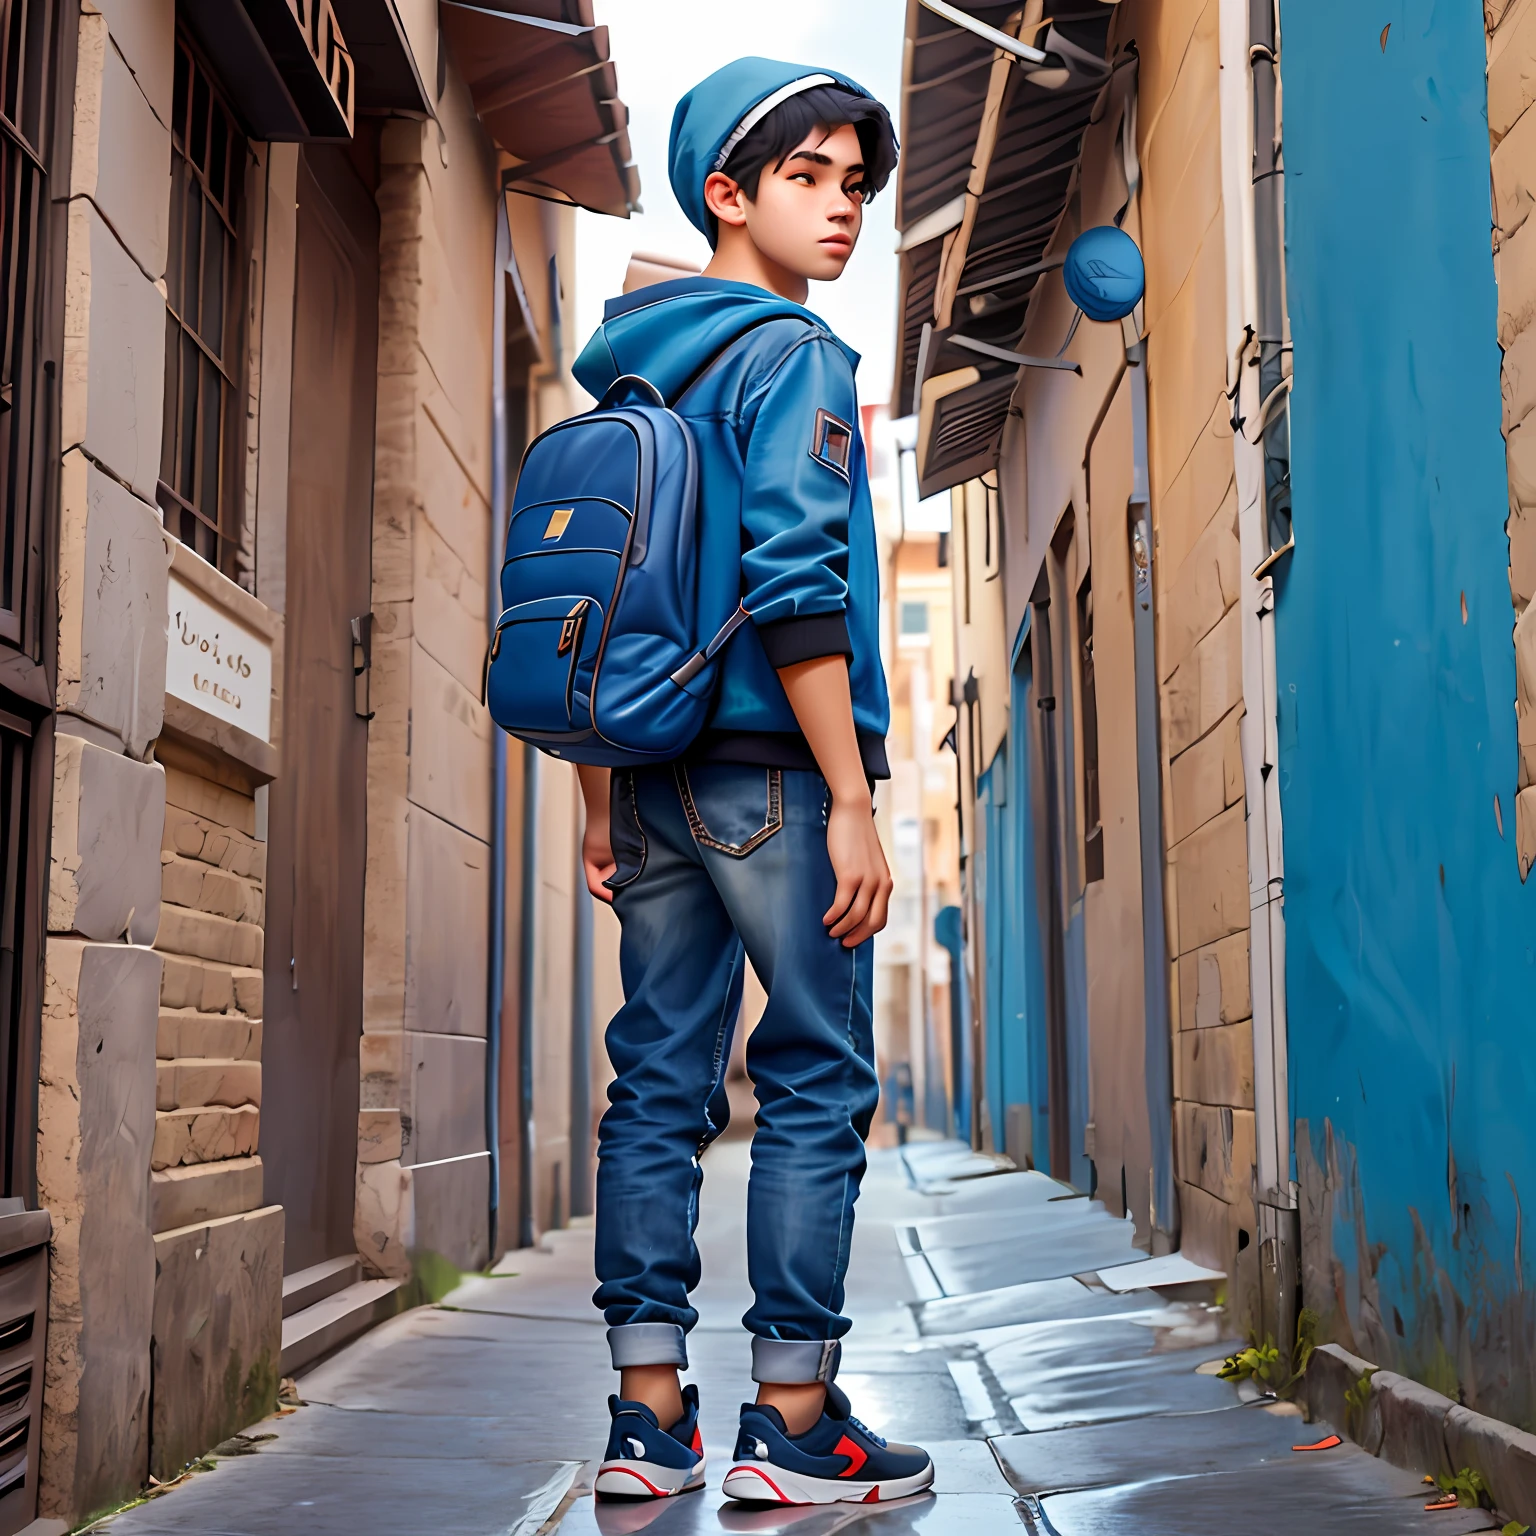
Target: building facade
[[1243, 718], [294, 943]]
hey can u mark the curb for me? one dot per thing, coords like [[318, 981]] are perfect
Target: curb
[[1421, 1431]]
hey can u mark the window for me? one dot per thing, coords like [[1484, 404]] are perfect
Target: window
[[199, 449], [26, 83], [914, 619], [1093, 830], [31, 336]]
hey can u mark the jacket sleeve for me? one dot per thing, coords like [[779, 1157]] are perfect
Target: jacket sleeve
[[796, 492]]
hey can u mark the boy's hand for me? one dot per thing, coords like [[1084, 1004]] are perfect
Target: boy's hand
[[597, 860], [858, 910]]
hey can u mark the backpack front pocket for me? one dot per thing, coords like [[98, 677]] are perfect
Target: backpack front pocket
[[541, 665]]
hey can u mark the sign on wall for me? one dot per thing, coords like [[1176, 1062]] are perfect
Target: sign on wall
[[216, 663]]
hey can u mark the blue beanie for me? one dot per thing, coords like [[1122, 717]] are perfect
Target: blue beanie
[[720, 111]]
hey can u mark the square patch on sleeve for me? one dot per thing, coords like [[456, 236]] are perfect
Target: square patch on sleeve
[[832, 442]]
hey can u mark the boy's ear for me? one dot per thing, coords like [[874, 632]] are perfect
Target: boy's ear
[[725, 199]]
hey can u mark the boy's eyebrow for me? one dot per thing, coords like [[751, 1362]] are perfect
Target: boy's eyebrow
[[817, 158]]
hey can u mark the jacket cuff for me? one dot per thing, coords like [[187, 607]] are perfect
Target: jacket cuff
[[805, 638]]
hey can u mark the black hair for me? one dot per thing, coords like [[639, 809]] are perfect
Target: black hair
[[782, 131]]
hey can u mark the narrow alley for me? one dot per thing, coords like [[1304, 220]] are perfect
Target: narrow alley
[[1065, 1389], [1070, 482]]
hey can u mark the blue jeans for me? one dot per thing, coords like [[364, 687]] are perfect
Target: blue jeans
[[713, 860]]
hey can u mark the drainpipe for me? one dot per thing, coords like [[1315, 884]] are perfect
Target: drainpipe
[[1258, 349], [1158, 1033], [1157, 1061], [497, 948]]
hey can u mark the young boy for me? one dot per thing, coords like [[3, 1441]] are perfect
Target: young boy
[[762, 838]]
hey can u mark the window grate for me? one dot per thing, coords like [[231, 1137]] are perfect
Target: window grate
[[26, 82], [198, 490]]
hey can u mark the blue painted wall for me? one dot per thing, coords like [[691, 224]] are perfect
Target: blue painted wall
[[1017, 1048], [1411, 943]]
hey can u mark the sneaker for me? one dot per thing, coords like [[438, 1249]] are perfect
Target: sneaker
[[645, 1461], [837, 1460]]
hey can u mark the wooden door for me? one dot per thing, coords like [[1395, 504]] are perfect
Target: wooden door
[[314, 964]]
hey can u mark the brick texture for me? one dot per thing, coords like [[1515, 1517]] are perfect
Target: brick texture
[[208, 1043]]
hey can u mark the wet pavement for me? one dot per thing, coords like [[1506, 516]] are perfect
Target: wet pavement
[[1053, 1400]]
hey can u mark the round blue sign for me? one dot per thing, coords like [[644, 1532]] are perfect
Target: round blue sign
[[1104, 273]]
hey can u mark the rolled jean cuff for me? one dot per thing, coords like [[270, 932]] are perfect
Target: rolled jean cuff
[[795, 1362], [647, 1344]]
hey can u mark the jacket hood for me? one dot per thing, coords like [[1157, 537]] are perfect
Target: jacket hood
[[669, 332], [731, 102]]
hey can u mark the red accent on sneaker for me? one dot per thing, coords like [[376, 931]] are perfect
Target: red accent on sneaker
[[698, 1441], [873, 1496], [856, 1455], [758, 1472]]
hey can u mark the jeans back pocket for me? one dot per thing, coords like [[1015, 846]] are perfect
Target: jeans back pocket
[[730, 807]]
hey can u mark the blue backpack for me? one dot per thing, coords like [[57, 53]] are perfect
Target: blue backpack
[[596, 656]]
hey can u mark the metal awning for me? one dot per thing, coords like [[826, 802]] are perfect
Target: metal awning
[[990, 152], [547, 92]]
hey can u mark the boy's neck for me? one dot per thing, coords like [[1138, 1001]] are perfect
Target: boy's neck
[[738, 260]]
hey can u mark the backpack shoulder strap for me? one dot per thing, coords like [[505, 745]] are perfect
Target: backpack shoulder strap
[[718, 355]]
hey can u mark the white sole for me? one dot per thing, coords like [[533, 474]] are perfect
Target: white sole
[[646, 1479], [764, 1483]]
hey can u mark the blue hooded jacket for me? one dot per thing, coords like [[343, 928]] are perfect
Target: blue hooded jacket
[[786, 524]]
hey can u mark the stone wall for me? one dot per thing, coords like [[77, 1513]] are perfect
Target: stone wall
[[423, 1173], [96, 1093], [1511, 26], [1196, 573], [218, 1248]]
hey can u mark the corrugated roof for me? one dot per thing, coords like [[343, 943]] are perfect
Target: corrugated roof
[[546, 89], [971, 265]]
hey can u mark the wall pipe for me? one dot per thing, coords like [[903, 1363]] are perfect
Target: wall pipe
[[1258, 353], [496, 971]]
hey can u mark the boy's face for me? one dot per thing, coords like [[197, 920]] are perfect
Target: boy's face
[[808, 212]]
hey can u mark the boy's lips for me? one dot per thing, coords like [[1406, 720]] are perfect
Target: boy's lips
[[838, 243]]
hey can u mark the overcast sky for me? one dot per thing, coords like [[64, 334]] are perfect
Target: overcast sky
[[662, 48]]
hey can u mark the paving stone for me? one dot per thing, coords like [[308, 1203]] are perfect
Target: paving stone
[[1353, 1496], [963, 1514], [319, 1496], [1037, 1301], [1098, 1369], [1072, 1249], [1166, 1446]]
